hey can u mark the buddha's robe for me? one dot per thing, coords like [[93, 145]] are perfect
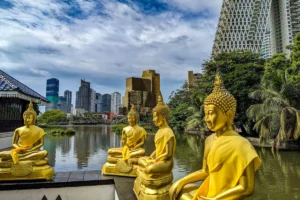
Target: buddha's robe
[[28, 138], [229, 156], [161, 165], [133, 136], [161, 139]]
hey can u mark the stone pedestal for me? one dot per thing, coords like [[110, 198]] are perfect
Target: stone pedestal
[[26, 171], [152, 188]]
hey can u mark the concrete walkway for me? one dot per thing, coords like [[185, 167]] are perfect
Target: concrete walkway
[[5, 140], [6, 134]]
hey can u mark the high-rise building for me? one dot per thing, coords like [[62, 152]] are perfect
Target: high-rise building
[[77, 100], [106, 101], [84, 96], [193, 78], [98, 102], [142, 91], [62, 104], [92, 100], [155, 84], [68, 97], [115, 102], [52, 91], [261, 26]]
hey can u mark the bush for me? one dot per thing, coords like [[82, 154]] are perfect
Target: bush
[[117, 128], [59, 131], [53, 117]]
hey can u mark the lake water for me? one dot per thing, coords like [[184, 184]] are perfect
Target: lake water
[[278, 177]]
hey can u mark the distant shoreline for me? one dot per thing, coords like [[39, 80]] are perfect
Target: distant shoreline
[[289, 145]]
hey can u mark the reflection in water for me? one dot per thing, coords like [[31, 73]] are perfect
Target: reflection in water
[[278, 178]]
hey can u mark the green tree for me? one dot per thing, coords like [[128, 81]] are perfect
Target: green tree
[[179, 102], [277, 115], [294, 70], [53, 117], [241, 71]]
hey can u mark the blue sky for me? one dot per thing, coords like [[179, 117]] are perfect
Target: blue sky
[[105, 41]]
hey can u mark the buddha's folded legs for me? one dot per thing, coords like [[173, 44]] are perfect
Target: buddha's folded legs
[[137, 153], [160, 167], [188, 192], [5, 155], [115, 152], [35, 155]]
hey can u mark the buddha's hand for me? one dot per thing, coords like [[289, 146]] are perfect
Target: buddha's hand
[[176, 189], [207, 198], [149, 161], [22, 149]]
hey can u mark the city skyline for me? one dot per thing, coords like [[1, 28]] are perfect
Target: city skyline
[[105, 42], [70, 97]]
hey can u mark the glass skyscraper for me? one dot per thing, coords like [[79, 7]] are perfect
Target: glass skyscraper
[[52, 91], [261, 26]]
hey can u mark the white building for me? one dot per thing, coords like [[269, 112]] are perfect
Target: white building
[[115, 102], [92, 100], [262, 26], [78, 111]]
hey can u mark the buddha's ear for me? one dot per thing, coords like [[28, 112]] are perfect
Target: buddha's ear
[[230, 117]]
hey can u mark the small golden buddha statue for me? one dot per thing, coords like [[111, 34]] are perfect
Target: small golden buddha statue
[[155, 172], [229, 160], [26, 161], [123, 161]]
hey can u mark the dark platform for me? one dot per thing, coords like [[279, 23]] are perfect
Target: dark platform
[[123, 185]]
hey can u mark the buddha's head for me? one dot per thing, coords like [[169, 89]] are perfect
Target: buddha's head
[[29, 115], [161, 112], [219, 107], [132, 116]]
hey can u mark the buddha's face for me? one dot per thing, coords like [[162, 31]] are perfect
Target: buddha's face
[[28, 120], [158, 119], [132, 120], [215, 118]]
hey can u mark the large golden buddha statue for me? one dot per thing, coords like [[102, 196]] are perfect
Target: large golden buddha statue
[[155, 172], [229, 161], [123, 161], [26, 161]]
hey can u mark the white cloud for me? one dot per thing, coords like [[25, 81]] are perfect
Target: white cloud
[[197, 6], [39, 72], [120, 43]]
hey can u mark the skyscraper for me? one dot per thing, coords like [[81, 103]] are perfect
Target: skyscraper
[[68, 97], [62, 104], [106, 101], [98, 102], [77, 100], [115, 102], [142, 91], [52, 91], [92, 100], [261, 26], [84, 96]]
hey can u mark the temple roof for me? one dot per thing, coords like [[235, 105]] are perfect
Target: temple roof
[[9, 84]]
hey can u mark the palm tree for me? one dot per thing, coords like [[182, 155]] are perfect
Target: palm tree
[[278, 114]]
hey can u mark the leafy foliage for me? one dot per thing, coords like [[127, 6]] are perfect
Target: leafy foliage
[[241, 71], [53, 117], [179, 102], [278, 114]]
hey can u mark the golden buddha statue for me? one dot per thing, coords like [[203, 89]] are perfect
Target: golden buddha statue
[[155, 172], [123, 161], [229, 160], [26, 161]]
